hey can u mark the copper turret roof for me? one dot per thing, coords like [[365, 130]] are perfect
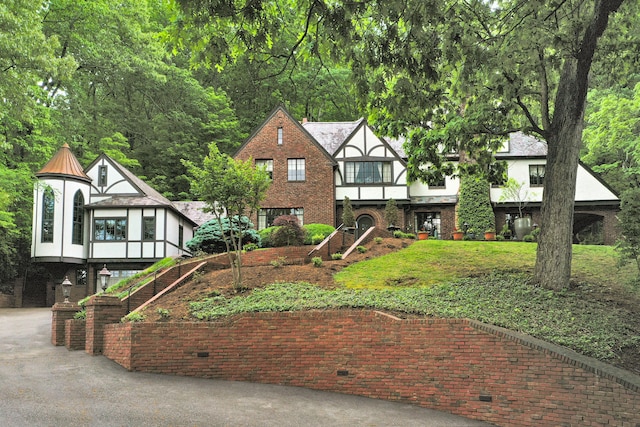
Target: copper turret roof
[[64, 163]]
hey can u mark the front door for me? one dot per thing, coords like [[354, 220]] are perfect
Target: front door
[[364, 223]]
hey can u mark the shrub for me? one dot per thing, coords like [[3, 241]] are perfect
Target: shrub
[[361, 249], [317, 239], [313, 230], [164, 313], [378, 240], [337, 255], [317, 261], [398, 234], [474, 207], [391, 213], [279, 262], [529, 238], [209, 237], [348, 218], [81, 315], [289, 232], [499, 237], [250, 247], [265, 236], [134, 316]]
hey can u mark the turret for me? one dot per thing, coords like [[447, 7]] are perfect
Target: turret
[[60, 223]]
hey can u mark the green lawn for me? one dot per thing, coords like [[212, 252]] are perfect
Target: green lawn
[[486, 281]]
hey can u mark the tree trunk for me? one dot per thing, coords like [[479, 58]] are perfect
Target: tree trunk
[[553, 261], [564, 139]]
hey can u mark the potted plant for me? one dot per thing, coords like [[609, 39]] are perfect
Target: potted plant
[[515, 191], [490, 234], [506, 232], [458, 234]]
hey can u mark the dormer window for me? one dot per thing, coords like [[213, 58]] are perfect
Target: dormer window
[[367, 172], [102, 176]]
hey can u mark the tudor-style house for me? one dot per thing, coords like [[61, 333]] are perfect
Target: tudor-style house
[[314, 165], [104, 214]]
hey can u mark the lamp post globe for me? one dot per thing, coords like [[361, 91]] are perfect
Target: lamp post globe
[[66, 288], [104, 277]]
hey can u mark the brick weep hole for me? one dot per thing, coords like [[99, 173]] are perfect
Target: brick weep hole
[[458, 366]]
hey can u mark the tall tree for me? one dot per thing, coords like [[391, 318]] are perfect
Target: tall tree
[[452, 74], [27, 65], [128, 94]]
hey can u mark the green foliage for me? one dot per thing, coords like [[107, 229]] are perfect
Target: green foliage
[[391, 214], [348, 218], [209, 238], [231, 188], [361, 249], [499, 237], [80, 315], [316, 261], [629, 246], [288, 233], [133, 317], [474, 205], [164, 313], [336, 256], [312, 230], [402, 235], [378, 240], [265, 236], [317, 239], [529, 238], [250, 247], [278, 262], [612, 136], [506, 301]]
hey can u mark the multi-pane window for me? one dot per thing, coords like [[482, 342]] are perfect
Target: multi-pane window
[[536, 175], [367, 172], [48, 208], [81, 277], [110, 229], [180, 236], [102, 176], [149, 228], [78, 219], [266, 216], [267, 164], [429, 222], [296, 169], [280, 136]]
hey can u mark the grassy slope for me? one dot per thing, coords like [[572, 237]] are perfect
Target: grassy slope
[[486, 281]]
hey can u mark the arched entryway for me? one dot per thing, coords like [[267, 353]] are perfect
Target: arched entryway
[[364, 222]]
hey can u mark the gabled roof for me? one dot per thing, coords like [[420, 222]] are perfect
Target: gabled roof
[[146, 196], [64, 163], [331, 135], [280, 108]]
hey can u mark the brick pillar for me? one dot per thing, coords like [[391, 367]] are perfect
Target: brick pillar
[[101, 310], [61, 312]]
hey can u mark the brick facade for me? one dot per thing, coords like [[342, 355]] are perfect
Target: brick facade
[[316, 193], [459, 366], [60, 313]]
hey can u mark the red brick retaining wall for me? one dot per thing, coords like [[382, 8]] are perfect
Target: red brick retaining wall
[[459, 366], [75, 334]]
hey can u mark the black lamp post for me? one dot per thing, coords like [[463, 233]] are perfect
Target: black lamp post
[[104, 276], [66, 288]]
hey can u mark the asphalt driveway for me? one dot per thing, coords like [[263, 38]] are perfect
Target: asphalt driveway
[[44, 385]]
